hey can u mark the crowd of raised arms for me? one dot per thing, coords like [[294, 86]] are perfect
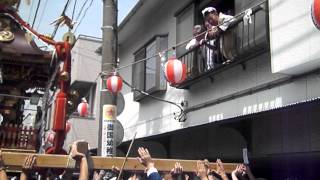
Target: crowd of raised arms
[[201, 172]]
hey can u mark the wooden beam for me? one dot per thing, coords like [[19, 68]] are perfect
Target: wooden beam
[[15, 160]]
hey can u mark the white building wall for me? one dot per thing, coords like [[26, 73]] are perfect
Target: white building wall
[[86, 63], [151, 117]]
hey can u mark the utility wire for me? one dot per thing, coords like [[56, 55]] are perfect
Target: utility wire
[[84, 14], [80, 12], [30, 12], [180, 117], [62, 14], [36, 13], [74, 9], [42, 13]]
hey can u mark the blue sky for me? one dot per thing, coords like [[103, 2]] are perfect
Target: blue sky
[[91, 24]]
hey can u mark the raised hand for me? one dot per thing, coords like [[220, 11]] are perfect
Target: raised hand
[[178, 169], [75, 154], [220, 170], [145, 158], [202, 170], [237, 172]]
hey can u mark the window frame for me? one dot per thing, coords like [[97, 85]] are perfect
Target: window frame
[[159, 74]]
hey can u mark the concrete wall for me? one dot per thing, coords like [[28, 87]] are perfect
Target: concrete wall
[[293, 48], [83, 129], [86, 64], [150, 117]]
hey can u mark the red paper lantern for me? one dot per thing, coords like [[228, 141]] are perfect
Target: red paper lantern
[[50, 137], [83, 108], [114, 83], [68, 126], [176, 71], [316, 13]]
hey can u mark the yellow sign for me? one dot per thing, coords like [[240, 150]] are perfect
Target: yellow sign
[[109, 112]]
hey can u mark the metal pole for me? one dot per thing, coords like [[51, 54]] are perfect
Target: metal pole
[[107, 114]]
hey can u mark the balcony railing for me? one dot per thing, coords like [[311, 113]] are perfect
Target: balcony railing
[[18, 138], [240, 42]]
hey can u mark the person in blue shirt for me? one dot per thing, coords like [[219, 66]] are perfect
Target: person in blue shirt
[[146, 160]]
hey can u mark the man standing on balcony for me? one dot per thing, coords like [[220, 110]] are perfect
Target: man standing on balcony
[[205, 53], [216, 23]]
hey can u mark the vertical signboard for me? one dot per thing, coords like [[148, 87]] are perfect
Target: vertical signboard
[[108, 130]]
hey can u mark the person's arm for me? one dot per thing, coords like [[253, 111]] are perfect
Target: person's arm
[[99, 176], [202, 170], [249, 173], [177, 171], [226, 21], [84, 169], [146, 160], [214, 32], [236, 172], [221, 171], [27, 167], [3, 174]]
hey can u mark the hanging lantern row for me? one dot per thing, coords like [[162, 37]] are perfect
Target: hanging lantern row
[[175, 71], [83, 108], [114, 84], [316, 13]]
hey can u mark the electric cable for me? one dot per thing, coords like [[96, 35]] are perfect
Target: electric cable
[[84, 14], [36, 13], [30, 11], [62, 14], [80, 12], [180, 117], [42, 13], [74, 9]]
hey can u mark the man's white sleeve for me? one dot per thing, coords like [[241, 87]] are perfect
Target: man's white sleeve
[[225, 21], [151, 170]]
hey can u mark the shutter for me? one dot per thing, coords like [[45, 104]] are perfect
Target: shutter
[[151, 67], [162, 82], [138, 76], [149, 75]]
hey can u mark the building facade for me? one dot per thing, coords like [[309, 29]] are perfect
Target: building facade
[[265, 100]]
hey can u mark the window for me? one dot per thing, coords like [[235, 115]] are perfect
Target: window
[[148, 75], [91, 99], [191, 15]]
